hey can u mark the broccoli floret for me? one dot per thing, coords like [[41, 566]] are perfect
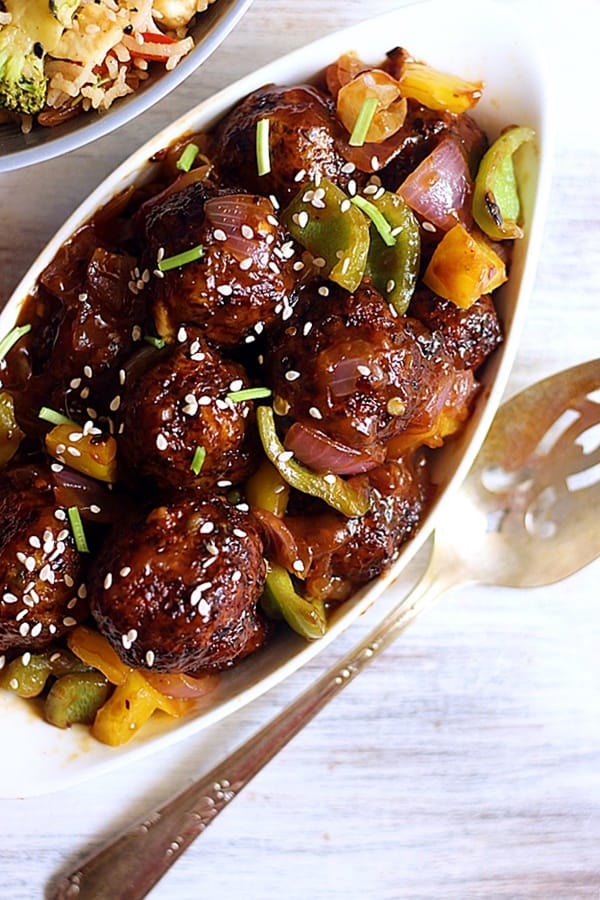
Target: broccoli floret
[[64, 10], [22, 79]]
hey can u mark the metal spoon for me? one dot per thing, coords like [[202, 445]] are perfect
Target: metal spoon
[[527, 515]]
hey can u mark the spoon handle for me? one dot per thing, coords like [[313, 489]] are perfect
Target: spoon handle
[[129, 866]]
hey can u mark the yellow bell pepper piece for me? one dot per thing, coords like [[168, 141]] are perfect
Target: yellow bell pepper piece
[[266, 489], [438, 90], [92, 454], [463, 267], [130, 706], [91, 647], [10, 433]]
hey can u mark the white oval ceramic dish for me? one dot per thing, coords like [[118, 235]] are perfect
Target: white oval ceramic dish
[[473, 39], [18, 150]]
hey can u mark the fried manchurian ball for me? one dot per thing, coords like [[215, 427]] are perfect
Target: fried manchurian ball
[[243, 277], [469, 335], [360, 373], [41, 575], [179, 427], [178, 591], [305, 141], [343, 553]]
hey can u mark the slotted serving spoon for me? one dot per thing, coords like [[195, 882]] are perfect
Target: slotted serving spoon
[[526, 515]]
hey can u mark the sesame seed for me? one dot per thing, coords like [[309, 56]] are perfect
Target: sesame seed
[[128, 639], [239, 532], [56, 467], [69, 621], [300, 175], [348, 168], [24, 629], [75, 383], [115, 403], [182, 335], [319, 262], [225, 290], [245, 264], [219, 234], [292, 375], [280, 406], [247, 232], [315, 413], [298, 266], [272, 221], [236, 385], [30, 563], [207, 528], [13, 684], [345, 205], [390, 286], [82, 591], [68, 580], [274, 201], [94, 508], [108, 581], [9, 598], [35, 541], [352, 187], [60, 514], [125, 571], [285, 456], [396, 406], [36, 630], [298, 565], [329, 478], [122, 376], [236, 576], [323, 291], [429, 226], [150, 658], [161, 442], [375, 163], [224, 482], [302, 219], [364, 370], [307, 327], [74, 451], [287, 312], [87, 371]]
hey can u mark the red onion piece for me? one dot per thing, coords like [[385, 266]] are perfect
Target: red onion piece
[[184, 687], [94, 501], [321, 453], [280, 544], [439, 190], [343, 365], [230, 213]]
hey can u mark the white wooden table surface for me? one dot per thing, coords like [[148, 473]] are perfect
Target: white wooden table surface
[[466, 762]]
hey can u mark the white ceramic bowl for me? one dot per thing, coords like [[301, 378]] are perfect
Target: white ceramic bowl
[[18, 150], [492, 47]]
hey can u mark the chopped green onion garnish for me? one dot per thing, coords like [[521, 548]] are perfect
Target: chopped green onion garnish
[[186, 160], [77, 529], [256, 393], [56, 418], [11, 339], [155, 341], [377, 218], [181, 259], [363, 121], [198, 460], [263, 159]]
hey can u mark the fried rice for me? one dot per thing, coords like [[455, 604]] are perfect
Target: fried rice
[[107, 51]]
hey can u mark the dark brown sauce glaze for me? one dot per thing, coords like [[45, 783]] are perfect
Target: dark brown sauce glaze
[[153, 358]]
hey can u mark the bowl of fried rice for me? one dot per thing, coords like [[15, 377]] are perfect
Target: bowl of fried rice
[[72, 71]]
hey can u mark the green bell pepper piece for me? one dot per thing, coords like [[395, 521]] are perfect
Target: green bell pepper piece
[[76, 698], [323, 219], [496, 205], [306, 617], [335, 491], [394, 269]]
